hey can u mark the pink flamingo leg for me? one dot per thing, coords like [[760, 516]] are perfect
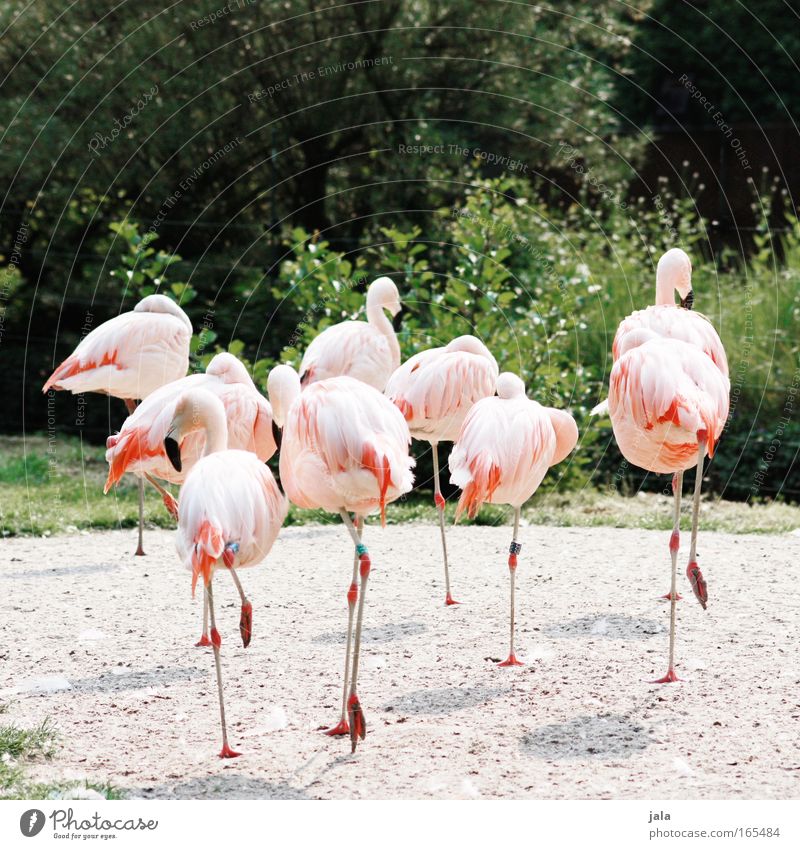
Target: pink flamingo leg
[[512, 569], [131, 406], [693, 570], [204, 641], [343, 726], [216, 641], [246, 616], [169, 500], [674, 545], [439, 501], [357, 721], [668, 596]]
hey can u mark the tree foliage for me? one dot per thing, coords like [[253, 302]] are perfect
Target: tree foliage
[[742, 57]]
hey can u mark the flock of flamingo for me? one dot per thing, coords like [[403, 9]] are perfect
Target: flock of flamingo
[[344, 425]]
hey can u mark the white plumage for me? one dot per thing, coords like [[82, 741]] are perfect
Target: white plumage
[[365, 350], [139, 446], [132, 354]]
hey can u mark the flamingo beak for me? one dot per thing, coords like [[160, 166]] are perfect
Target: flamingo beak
[[173, 451], [688, 302], [277, 434]]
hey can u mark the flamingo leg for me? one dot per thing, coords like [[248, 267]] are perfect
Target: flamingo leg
[[693, 570], [140, 545], [514, 550], [439, 500], [216, 642], [169, 500], [343, 727], [358, 724], [674, 545], [668, 596], [246, 616], [130, 405], [204, 641]]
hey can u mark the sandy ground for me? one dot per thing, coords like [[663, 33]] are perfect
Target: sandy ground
[[579, 720]]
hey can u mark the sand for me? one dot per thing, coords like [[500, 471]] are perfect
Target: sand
[[102, 644]]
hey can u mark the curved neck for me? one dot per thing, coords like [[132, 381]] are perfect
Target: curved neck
[[379, 320], [206, 412], [283, 388], [665, 290], [216, 436]]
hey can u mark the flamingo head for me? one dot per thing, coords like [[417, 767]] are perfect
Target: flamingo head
[[674, 273], [163, 304], [197, 409], [229, 369], [173, 450], [283, 388], [383, 294], [510, 386], [469, 345]]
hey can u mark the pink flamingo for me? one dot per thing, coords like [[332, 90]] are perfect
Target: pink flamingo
[[230, 512], [667, 320], [505, 447], [366, 350], [435, 390], [139, 446], [668, 402], [674, 273], [129, 357], [344, 448]]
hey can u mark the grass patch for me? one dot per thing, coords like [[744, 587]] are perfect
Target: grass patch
[[23, 746], [31, 469], [18, 745], [70, 790], [67, 497], [652, 511], [18, 742], [589, 508], [52, 487]]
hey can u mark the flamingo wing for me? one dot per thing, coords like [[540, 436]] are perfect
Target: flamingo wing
[[661, 395], [672, 322], [345, 444], [229, 497], [351, 348], [502, 453], [435, 390], [566, 431], [129, 356], [139, 446], [249, 417]]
